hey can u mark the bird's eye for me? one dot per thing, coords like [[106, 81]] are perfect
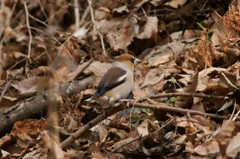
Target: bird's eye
[[132, 59]]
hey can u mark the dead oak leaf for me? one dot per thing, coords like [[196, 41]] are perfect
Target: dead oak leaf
[[153, 77], [119, 31], [207, 148], [211, 79], [234, 146], [150, 28]]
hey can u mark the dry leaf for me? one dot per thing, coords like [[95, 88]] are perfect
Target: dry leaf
[[150, 28], [103, 133], [98, 155], [208, 148], [176, 3], [119, 31], [143, 128], [233, 148], [153, 77]]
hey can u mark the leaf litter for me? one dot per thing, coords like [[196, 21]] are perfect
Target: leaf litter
[[190, 62]]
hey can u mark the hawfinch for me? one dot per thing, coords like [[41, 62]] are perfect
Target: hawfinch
[[117, 83]]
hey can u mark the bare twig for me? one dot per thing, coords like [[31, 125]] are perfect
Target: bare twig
[[188, 95], [140, 137], [76, 13], [5, 88], [237, 114], [18, 62], [54, 63], [94, 24], [228, 81], [86, 12], [44, 32], [36, 19], [89, 125], [42, 9], [29, 30], [126, 143], [166, 107]]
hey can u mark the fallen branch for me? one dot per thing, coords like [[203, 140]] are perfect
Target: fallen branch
[[21, 111], [36, 106], [89, 125]]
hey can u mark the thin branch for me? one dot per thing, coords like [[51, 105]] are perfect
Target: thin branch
[[84, 16], [188, 95], [89, 125], [228, 81], [141, 137], [94, 24], [46, 33], [42, 9], [166, 107], [29, 30], [5, 88], [76, 13], [54, 63]]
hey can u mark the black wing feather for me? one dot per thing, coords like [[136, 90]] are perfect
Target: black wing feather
[[110, 80]]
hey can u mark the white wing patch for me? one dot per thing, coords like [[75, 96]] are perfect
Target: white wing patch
[[122, 77]]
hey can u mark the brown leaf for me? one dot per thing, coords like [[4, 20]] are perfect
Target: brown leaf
[[153, 77], [228, 128], [207, 148], [26, 86], [234, 146], [146, 127], [71, 76], [193, 123], [99, 69], [119, 31], [150, 28], [5, 140], [176, 3], [98, 155], [121, 9], [209, 79], [143, 128], [103, 133]]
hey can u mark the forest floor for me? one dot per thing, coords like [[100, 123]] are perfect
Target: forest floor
[[186, 97]]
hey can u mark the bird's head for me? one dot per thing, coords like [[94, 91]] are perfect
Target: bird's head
[[128, 60]]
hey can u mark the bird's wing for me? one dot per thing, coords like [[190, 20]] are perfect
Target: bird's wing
[[114, 77]]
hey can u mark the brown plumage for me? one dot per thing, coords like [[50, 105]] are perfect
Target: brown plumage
[[117, 83]]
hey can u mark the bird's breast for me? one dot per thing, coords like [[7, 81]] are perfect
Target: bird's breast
[[120, 92]]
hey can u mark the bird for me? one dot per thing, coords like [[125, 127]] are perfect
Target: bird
[[117, 83]]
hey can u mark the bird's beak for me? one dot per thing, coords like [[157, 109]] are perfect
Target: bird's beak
[[137, 61]]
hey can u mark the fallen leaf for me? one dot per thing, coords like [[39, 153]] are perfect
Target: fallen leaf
[[143, 128], [153, 77], [207, 148], [119, 31], [176, 3], [150, 28], [233, 148]]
